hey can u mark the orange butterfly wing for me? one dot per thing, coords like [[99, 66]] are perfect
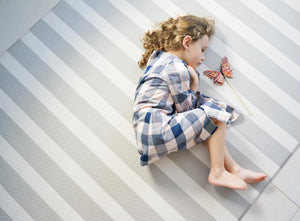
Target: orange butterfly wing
[[216, 75], [226, 70]]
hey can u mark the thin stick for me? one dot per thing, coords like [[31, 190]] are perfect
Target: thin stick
[[236, 93]]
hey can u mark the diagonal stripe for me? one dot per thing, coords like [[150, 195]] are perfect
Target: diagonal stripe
[[109, 31], [295, 4], [169, 7], [37, 183], [131, 12], [83, 180], [104, 153], [248, 149], [273, 19], [11, 207], [116, 120], [252, 37], [91, 54]]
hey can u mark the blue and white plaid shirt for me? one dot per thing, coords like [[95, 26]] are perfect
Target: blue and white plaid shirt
[[168, 116]]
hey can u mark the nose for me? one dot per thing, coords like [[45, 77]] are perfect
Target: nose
[[202, 58]]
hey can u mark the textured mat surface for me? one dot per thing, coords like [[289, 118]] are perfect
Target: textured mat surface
[[67, 87]]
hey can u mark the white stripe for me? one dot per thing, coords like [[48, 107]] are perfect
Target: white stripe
[[11, 207], [170, 8], [253, 75], [274, 20], [131, 12], [276, 132], [117, 121], [88, 138], [252, 37], [108, 30], [173, 12], [75, 172], [259, 118], [260, 159], [36, 182], [295, 4], [100, 62]]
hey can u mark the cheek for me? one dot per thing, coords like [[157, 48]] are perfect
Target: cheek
[[198, 56]]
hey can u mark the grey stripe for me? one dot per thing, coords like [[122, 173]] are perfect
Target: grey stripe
[[98, 41], [150, 10], [57, 178], [263, 28], [4, 216], [120, 21], [109, 136], [97, 80], [283, 10], [21, 192]]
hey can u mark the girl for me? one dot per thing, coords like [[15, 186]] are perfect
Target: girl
[[170, 114]]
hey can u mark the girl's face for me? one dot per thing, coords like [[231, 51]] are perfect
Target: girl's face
[[193, 53]]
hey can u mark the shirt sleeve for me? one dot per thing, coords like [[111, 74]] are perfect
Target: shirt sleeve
[[178, 78]]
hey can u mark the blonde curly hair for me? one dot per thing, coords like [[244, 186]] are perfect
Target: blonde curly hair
[[170, 34]]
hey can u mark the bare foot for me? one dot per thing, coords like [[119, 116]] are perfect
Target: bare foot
[[227, 179], [249, 176]]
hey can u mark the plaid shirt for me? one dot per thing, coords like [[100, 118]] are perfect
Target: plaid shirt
[[168, 116]]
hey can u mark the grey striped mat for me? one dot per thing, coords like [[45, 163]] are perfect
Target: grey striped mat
[[67, 87]]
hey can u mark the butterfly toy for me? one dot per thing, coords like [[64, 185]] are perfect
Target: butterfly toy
[[218, 76]]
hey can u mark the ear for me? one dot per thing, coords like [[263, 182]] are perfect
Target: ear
[[186, 42]]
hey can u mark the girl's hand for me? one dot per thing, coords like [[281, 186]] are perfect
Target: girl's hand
[[194, 79], [192, 72]]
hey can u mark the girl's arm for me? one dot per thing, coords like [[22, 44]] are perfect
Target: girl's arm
[[178, 79], [194, 79]]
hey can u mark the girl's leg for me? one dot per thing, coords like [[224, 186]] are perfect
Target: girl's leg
[[218, 175], [247, 175]]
